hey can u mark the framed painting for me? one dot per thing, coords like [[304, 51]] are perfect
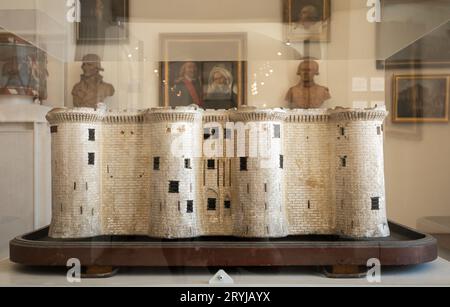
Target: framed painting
[[207, 70], [307, 20], [103, 21], [421, 98]]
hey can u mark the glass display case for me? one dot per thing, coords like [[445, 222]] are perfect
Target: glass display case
[[223, 133]]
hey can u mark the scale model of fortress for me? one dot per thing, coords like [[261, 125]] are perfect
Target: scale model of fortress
[[116, 174]]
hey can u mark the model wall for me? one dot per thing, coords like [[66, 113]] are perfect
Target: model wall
[[310, 177], [125, 175]]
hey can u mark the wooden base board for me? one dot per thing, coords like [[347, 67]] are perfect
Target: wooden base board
[[345, 257]]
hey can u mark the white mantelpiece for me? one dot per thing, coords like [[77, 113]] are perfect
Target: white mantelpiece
[[25, 169]]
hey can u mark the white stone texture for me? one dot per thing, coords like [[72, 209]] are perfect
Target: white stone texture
[[363, 176], [309, 173], [126, 177], [169, 217], [76, 185], [258, 192]]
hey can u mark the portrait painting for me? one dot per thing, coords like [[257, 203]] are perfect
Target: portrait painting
[[421, 98], [221, 84], [206, 69], [184, 84], [209, 84], [307, 20], [103, 21]]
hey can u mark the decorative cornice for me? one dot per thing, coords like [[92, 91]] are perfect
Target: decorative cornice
[[124, 118], [375, 114], [191, 114], [179, 114], [308, 116], [77, 115], [214, 116], [250, 114]]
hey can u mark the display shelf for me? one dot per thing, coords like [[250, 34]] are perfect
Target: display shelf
[[403, 247]]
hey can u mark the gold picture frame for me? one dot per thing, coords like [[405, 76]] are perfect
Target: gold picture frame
[[307, 20], [421, 98]]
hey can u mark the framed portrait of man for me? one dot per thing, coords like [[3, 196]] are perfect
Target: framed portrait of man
[[103, 21], [421, 98], [307, 20], [184, 83]]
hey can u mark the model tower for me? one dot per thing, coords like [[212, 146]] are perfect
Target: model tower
[[258, 178], [76, 168], [175, 196], [359, 159]]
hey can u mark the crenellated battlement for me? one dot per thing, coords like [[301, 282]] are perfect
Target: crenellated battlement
[[214, 116]]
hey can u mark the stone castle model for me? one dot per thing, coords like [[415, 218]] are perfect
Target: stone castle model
[[117, 174]]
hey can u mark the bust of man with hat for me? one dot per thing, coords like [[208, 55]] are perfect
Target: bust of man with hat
[[307, 94], [91, 90]]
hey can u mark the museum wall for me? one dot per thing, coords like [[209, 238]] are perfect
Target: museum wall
[[18, 5], [417, 164], [138, 87], [416, 171]]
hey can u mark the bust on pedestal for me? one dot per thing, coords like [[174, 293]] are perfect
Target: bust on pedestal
[[307, 94], [91, 90]]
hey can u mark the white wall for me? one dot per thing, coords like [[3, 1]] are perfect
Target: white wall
[[18, 5], [417, 165], [16, 210]]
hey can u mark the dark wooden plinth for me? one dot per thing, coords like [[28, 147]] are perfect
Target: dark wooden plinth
[[403, 247], [99, 272], [345, 271]]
